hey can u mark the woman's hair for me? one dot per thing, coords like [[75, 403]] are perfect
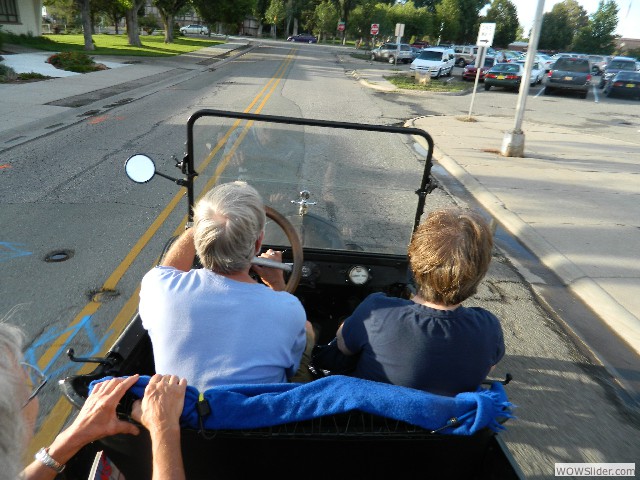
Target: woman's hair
[[228, 221], [12, 423], [450, 254]]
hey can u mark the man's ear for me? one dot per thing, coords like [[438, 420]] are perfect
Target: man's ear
[[259, 242]]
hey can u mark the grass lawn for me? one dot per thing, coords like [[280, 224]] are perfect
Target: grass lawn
[[435, 85], [152, 45]]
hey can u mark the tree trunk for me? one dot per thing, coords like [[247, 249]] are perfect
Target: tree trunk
[[167, 21], [259, 32], [86, 24], [133, 29]]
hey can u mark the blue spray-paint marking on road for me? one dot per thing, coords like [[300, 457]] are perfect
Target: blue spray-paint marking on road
[[31, 355], [10, 250]]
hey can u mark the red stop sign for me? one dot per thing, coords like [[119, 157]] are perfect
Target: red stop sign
[[341, 27], [375, 28]]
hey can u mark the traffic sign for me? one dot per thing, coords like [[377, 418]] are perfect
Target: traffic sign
[[485, 34], [341, 26], [375, 28]]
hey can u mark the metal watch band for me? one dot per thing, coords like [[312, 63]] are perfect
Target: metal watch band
[[43, 457]]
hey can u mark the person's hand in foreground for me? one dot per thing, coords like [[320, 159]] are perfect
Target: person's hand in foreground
[[97, 419], [159, 411]]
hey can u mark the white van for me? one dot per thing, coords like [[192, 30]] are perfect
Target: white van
[[437, 61]]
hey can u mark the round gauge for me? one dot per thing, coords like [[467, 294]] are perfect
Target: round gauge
[[358, 275]]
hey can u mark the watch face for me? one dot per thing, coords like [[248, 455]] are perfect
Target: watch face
[[358, 275]]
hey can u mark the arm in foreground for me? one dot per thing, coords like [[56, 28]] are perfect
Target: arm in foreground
[[181, 253], [159, 411], [97, 419]]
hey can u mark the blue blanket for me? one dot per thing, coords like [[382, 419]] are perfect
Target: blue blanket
[[236, 407]]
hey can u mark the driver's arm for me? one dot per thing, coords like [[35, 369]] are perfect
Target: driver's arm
[[340, 340], [181, 253]]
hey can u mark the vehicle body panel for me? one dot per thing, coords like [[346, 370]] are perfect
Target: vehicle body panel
[[303, 37], [194, 28], [436, 61], [615, 65], [470, 71], [506, 75], [624, 84], [570, 73], [390, 52]]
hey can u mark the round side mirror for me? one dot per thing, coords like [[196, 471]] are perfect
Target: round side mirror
[[140, 168]]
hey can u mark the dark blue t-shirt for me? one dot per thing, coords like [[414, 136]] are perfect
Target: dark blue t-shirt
[[439, 351]]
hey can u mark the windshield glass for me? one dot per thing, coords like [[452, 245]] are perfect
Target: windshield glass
[[430, 55], [622, 65], [360, 196]]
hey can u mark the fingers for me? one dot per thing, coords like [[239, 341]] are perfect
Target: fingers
[[118, 386], [272, 255]]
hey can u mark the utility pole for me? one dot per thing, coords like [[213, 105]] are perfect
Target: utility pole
[[513, 142]]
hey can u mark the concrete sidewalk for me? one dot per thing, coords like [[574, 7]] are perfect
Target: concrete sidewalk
[[575, 206], [36, 103]]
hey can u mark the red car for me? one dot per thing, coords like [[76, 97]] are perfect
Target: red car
[[470, 70]]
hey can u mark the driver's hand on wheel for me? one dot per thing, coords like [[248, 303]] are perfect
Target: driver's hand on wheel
[[272, 277]]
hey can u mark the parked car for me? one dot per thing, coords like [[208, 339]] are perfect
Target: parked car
[[510, 55], [624, 84], [598, 62], [389, 52], [569, 74], [470, 70], [545, 61], [506, 75], [615, 65], [465, 54], [303, 37], [415, 51], [194, 28], [537, 73], [420, 44], [437, 61]]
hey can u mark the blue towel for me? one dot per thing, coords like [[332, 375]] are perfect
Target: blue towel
[[237, 407]]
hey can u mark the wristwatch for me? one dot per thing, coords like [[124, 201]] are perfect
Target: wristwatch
[[43, 457]]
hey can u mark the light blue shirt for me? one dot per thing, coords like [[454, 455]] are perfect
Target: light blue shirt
[[215, 331]]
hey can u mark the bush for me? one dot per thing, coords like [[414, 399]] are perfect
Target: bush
[[7, 74], [148, 23], [74, 62], [1, 38]]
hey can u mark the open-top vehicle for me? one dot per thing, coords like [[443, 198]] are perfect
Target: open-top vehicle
[[343, 211]]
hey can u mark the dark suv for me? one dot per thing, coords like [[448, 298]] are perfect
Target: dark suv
[[615, 65], [569, 74]]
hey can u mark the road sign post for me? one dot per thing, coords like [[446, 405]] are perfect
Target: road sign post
[[484, 41]]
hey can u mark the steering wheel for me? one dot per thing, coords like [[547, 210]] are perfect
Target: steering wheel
[[296, 247]]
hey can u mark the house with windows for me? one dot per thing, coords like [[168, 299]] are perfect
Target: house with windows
[[21, 16]]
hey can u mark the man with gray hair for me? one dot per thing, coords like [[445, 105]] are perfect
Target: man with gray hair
[[217, 325]]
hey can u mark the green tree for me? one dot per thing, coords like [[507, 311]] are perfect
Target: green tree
[[114, 10], [554, 34], [447, 21], [276, 13], [326, 18], [131, 19], [168, 9], [469, 19], [577, 17], [598, 36], [225, 12], [505, 15]]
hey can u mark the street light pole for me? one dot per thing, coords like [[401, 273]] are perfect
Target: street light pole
[[513, 142]]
